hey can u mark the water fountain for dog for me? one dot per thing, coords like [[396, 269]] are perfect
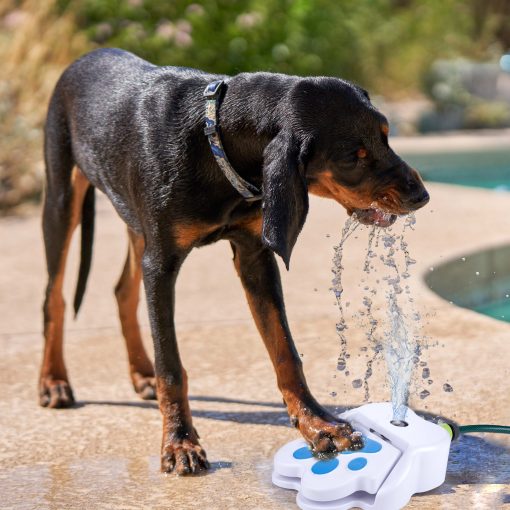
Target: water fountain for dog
[[398, 460]]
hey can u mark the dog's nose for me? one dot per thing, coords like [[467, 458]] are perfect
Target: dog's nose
[[418, 200]]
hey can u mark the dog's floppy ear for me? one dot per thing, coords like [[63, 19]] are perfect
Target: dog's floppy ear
[[285, 202]]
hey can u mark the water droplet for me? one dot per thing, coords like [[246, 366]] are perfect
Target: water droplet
[[333, 393], [424, 394], [357, 383], [447, 387], [477, 273], [430, 381], [463, 259], [341, 364], [425, 373], [431, 268]]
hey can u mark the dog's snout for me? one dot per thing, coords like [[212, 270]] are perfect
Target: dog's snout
[[418, 199]]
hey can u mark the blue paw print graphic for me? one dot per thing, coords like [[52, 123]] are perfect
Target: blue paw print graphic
[[322, 467]]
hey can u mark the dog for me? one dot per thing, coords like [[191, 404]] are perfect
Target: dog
[[135, 131]]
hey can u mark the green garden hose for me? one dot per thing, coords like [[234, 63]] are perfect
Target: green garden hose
[[455, 430], [497, 429]]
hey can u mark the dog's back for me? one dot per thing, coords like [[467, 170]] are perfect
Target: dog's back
[[124, 105]]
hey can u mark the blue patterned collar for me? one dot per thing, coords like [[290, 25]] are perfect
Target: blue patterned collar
[[212, 93]]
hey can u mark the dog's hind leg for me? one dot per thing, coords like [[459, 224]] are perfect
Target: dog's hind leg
[[61, 215], [65, 191], [127, 292]]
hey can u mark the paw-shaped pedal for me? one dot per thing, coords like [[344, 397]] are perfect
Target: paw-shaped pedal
[[337, 477], [394, 463]]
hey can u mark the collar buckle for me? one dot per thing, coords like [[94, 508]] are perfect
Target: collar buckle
[[213, 90]]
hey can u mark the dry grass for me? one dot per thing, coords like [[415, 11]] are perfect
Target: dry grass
[[36, 44]]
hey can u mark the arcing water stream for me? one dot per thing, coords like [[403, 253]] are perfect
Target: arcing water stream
[[397, 334]]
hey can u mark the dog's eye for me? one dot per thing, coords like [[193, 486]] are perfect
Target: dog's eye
[[362, 153]]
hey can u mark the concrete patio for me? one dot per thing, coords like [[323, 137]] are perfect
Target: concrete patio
[[104, 453]]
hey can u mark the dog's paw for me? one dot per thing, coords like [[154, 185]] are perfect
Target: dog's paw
[[329, 437], [184, 458], [144, 385], [55, 393]]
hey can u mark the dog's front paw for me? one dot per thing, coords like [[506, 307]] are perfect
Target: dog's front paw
[[55, 393], [330, 436], [183, 458]]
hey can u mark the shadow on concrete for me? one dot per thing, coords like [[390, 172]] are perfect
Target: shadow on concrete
[[237, 401], [279, 418], [473, 459]]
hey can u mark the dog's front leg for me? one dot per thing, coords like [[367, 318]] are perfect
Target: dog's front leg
[[180, 450], [259, 274]]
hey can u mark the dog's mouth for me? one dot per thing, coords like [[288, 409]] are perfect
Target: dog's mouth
[[374, 216]]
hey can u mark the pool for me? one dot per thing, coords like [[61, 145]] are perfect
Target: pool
[[479, 281], [498, 310], [481, 169]]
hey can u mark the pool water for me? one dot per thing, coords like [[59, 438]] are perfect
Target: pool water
[[481, 169], [487, 169], [499, 310]]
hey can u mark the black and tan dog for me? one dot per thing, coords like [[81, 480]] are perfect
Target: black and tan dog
[[136, 132]]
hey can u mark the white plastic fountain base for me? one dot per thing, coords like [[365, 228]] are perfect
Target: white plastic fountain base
[[395, 463]]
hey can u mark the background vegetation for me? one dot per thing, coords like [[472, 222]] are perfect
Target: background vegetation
[[388, 46]]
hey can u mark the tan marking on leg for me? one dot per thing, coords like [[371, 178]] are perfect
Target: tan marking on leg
[[186, 235], [180, 449], [53, 367], [127, 292], [252, 224], [320, 428], [271, 325]]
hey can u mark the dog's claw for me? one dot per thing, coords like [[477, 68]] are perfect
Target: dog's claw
[[184, 458], [356, 439], [55, 394]]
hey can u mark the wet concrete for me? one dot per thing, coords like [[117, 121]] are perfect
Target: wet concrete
[[104, 452]]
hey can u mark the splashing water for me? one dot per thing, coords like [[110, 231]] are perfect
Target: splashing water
[[401, 346], [336, 286], [399, 337]]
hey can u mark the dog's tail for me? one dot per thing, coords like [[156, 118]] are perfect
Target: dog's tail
[[87, 240]]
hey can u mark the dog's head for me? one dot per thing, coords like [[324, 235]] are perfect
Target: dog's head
[[333, 143]]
